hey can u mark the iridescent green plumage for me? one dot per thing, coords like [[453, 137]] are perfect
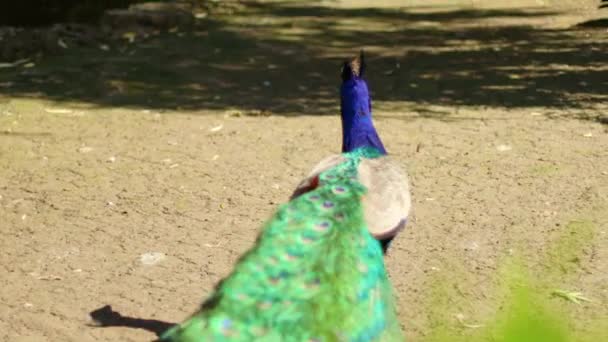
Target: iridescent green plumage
[[315, 274]]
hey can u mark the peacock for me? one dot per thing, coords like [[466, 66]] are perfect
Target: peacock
[[316, 271]]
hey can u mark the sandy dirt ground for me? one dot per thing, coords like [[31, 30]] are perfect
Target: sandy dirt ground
[[184, 143]]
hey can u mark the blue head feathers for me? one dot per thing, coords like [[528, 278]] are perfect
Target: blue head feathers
[[356, 109]]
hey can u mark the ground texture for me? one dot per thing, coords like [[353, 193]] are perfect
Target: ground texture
[[184, 143]]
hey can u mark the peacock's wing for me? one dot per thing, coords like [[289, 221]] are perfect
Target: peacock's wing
[[386, 204], [315, 274]]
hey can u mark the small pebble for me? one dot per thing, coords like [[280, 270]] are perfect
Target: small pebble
[[503, 148], [85, 149], [151, 258]]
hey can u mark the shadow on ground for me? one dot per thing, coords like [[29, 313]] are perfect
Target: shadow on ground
[[106, 317], [285, 58]]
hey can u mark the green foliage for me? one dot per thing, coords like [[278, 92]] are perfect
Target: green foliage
[[532, 307], [565, 256], [527, 316]]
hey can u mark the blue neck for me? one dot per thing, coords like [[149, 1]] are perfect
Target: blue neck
[[356, 111]]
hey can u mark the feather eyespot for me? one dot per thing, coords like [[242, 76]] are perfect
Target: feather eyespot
[[308, 239], [322, 226], [226, 327], [314, 283], [289, 256], [227, 323], [328, 204], [275, 280]]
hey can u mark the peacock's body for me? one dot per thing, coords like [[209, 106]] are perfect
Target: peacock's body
[[316, 272]]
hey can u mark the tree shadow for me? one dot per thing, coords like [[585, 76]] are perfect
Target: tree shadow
[[596, 23], [284, 57], [106, 317]]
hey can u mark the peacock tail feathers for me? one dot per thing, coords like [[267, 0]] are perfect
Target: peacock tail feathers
[[315, 274]]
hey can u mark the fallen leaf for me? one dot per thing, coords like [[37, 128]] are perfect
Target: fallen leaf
[[575, 297], [130, 36], [460, 317], [216, 128]]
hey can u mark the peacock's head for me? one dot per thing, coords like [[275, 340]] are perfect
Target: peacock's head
[[354, 94]]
